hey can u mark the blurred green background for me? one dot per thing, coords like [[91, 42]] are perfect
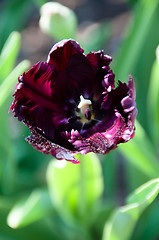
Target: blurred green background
[[112, 197]]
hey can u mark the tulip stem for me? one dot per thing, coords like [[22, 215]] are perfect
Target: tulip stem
[[82, 189]]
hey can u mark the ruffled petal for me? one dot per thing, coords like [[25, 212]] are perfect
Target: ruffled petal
[[128, 104], [33, 100], [98, 59], [131, 86], [42, 144], [100, 67], [109, 81], [116, 126], [61, 52], [101, 142]]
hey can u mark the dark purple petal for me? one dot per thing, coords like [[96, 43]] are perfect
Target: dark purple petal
[[100, 67], [98, 58], [101, 142], [61, 52], [109, 80], [33, 100], [128, 104]]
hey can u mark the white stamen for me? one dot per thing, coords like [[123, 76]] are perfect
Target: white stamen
[[109, 89], [84, 104]]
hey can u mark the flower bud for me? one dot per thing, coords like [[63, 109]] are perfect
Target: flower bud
[[58, 21]]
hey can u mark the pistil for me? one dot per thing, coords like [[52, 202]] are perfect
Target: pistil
[[84, 106]]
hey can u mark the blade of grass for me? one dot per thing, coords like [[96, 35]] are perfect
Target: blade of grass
[[138, 29], [153, 102], [5, 87], [9, 54]]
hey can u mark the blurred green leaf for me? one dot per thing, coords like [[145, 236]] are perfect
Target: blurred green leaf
[[134, 177], [147, 226], [39, 3], [136, 52], [124, 219], [42, 229], [6, 86], [13, 17], [9, 54], [104, 212], [134, 37], [30, 209], [95, 36], [76, 188], [110, 169], [145, 194], [153, 103], [133, 1], [140, 152]]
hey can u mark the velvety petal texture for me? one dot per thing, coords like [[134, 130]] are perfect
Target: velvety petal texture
[[71, 105]]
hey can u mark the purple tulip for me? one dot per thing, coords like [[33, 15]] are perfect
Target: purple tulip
[[71, 106]]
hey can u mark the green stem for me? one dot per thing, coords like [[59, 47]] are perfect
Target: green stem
[[82, 204]]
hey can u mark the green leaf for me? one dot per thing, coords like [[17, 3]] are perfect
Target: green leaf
[[42, 229], [110, 168], [152, 103], [9, 54], [147, 226], [13, 17], [75, 188], [134, 57], [30, 209], [6, 86], [145, 194], [135, 37], [39, 3], [124, 219], [140, 152]]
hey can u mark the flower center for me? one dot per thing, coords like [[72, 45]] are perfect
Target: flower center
[[84, 106]]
